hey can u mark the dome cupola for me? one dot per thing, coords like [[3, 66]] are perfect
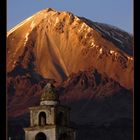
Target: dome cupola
[[49, 97]]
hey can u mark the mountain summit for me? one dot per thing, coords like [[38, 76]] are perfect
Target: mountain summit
[[57, 44]]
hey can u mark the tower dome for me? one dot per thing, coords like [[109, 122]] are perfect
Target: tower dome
[[49, 97]]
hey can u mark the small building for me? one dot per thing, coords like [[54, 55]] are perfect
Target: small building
[[49, 120]]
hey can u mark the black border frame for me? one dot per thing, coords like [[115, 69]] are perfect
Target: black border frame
[[3, 31], [3, 124]]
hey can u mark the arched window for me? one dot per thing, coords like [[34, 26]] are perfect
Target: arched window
[[60, 118], [42, 118], [40, 136]]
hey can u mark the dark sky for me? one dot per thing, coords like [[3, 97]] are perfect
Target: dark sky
[[115, 12]]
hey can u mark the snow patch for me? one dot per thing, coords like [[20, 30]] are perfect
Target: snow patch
[[112, 52], [92, 45], [101, 51], [32, 25], [85, 35], [56, 21], [83, 27], [77, 19], [130, 58], [26, 38], [19, 25], [88, 30]]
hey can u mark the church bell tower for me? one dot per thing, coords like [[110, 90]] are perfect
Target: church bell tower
[[49, 120]]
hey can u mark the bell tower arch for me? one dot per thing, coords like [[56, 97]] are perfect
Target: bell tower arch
[[42, 119], [40, 136]]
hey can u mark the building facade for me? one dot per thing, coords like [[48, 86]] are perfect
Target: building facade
[[49, 120]]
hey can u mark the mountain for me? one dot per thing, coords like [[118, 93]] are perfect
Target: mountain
[[56, 44], [89, 63]]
